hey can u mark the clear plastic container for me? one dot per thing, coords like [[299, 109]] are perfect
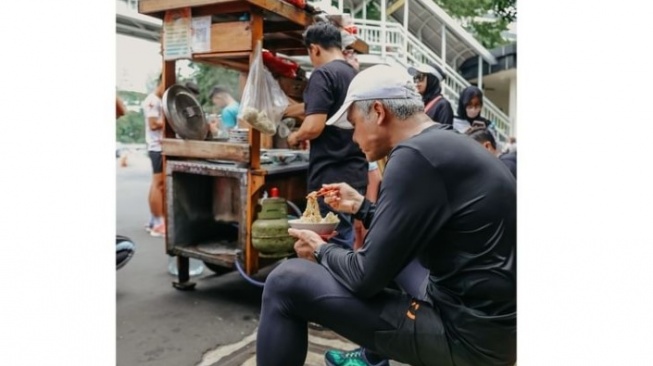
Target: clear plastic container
[[196, 266]]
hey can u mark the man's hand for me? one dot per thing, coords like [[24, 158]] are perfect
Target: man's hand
[[292, 140], [307, 243], [341, 197]]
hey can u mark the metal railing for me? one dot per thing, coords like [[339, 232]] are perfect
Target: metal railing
[[131, 4], [408, 50]]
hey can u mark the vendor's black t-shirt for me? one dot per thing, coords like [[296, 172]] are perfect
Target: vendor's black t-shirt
[[334, 157], [447, 202]]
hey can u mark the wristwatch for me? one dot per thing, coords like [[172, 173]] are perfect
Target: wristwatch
[[317, 253]]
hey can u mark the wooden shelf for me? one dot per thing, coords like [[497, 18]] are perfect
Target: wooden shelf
[[206, 150], [234, 60], [157, 8]]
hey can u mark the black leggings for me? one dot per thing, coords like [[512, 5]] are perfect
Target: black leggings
[[299, 291]]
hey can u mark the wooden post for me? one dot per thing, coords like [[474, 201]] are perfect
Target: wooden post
[[169, 79], [254, 134], [255, 182]]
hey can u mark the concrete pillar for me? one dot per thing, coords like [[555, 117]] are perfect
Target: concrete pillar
[[384, 5], [479, 78], [512, 105], [405, 35], [444, 47]]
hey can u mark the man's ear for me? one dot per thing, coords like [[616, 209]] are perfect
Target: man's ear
[[487, 145], [380, 112]]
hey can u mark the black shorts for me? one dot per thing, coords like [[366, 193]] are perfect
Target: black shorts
[[157, 161]]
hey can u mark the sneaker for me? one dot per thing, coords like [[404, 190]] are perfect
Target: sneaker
[[149, 225], [158, 231], [356, 357]]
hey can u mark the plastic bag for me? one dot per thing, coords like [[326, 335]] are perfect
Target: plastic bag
[[263, 101]]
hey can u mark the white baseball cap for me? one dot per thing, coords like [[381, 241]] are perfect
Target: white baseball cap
[[425, 69], [376, 82]]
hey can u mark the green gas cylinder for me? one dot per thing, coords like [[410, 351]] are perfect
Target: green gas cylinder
[[270, 230]]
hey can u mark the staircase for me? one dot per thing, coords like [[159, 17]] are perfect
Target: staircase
[[405, 49]]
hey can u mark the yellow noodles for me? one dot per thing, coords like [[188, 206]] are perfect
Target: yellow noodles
[[312, 213]]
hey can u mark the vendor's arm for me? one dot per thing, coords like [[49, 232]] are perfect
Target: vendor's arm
[[311, 128], [412, 207], [294, 110]]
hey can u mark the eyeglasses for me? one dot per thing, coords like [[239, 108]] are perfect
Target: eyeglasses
[[419, 77]]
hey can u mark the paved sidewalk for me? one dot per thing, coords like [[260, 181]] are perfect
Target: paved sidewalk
[[243, 353]]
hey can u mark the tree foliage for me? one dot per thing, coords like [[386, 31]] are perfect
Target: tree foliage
[[130, 128], [488, 32], [469, 12], [206, 77]]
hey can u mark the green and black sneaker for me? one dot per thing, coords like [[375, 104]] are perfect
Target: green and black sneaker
[[356, 357]]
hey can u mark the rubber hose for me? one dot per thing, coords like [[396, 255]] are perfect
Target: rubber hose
[[239, 267], [245, 276], [295, 208]]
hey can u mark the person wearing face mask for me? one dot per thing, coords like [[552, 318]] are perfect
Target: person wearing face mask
[[470, 104], [428, 79]]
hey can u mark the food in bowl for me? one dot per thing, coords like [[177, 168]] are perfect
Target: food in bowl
[[312, 212], [312, 219]]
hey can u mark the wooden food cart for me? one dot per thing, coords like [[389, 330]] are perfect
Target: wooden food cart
[[210, 206]]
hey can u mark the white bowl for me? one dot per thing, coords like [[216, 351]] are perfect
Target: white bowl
[[320, 228]]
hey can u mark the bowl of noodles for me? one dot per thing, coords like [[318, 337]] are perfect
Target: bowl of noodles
[[312, 220]]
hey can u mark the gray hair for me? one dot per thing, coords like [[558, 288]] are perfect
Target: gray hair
[[402, 109]]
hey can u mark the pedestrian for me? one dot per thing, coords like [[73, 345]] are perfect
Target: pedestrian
[[429, 79], [153, 113], [470, 104], [511, 146], [485, 138]]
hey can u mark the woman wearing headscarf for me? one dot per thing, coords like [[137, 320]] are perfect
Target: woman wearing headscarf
[[428, 79], [470, 104]]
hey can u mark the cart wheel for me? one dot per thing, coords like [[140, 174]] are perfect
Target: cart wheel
[[218, 269]]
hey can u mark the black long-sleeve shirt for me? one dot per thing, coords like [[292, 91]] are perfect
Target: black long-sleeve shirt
[[452, 205]]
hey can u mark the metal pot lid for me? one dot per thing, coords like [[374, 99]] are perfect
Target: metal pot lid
[[184, 113]]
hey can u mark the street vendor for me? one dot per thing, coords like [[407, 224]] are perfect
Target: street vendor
[[333, 157], [444, 201]]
